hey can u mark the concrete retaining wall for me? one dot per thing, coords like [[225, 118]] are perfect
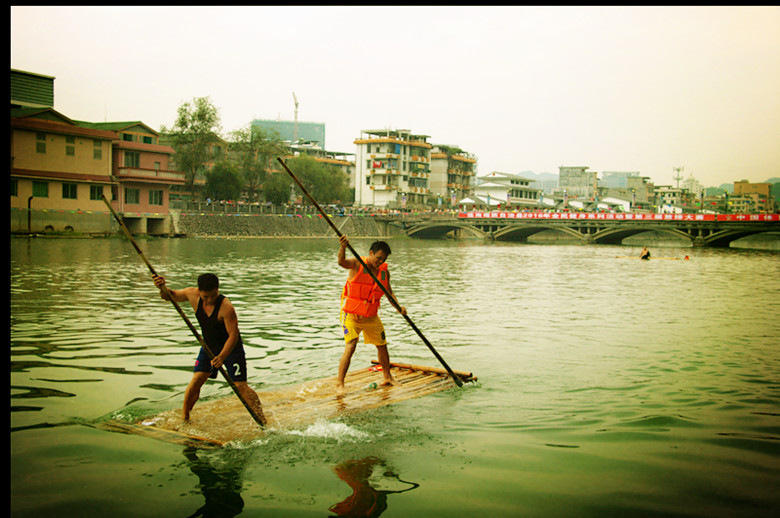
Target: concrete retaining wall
[[275, 225]]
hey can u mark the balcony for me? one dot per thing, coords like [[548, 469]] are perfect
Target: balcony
[[384, 187], [150, 175], [383, 156]]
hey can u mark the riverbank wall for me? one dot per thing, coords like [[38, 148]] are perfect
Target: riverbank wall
[[278, 225]]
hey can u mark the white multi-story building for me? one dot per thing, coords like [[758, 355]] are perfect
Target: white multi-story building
[[507, 189], [392, 169], [693, 186]]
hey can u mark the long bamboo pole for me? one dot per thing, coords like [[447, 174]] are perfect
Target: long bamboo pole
[[184, 316], [455, 377]]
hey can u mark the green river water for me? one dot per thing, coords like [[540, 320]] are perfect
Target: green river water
[[607, 387]]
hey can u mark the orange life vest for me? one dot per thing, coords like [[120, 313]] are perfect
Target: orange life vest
[[361, 294]]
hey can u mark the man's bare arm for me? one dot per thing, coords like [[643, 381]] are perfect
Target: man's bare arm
[[349, 263]]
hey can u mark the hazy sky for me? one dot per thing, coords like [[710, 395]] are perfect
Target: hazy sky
[[640, 89]]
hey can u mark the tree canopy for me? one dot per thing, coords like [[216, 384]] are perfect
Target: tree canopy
[[223, 182], [327, 184], [254, 149], [193, 134], [248, 168]]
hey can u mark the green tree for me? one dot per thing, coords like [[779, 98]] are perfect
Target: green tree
[[255, 150], [223, 182], [197, 124], [326, 184], [277, 188]]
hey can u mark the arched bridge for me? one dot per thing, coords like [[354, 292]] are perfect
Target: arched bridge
[[716, 230]]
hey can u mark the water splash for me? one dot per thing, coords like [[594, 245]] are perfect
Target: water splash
[[340, 432]]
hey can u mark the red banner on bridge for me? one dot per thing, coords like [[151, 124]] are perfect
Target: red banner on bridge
[[621, 217]]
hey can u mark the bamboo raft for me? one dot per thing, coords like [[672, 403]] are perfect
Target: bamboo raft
[[652, 258], [217, 422]]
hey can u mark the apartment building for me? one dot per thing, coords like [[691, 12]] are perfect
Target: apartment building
[[674, 200], [453, 174], [61, 167], [637, 191], [59, 172], [143, 175], [577, 182], [392, 169], [752, 198]]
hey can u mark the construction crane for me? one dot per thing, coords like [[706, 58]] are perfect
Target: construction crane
[[295, 133]]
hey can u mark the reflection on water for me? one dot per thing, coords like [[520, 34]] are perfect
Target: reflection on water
[[369, 490], [607, 386], [220, 477]]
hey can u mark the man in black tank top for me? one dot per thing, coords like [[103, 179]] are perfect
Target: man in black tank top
[[219, 324]]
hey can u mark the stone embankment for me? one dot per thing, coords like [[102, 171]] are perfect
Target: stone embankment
[[277, 225]]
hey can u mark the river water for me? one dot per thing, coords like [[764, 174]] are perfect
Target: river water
[[607, 386]]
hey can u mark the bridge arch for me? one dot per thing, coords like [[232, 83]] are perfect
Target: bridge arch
[[724, 238], [523, 232], [434, 230], [615, 236]]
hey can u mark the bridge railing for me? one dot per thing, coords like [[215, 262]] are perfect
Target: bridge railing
[[608, 216]]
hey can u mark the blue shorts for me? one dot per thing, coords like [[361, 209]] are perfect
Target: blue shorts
[[235, 364]]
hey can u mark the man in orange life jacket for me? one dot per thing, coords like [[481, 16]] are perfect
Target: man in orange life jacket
[[360, 304]]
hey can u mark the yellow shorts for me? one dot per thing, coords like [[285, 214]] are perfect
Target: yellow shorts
[[372, 328]]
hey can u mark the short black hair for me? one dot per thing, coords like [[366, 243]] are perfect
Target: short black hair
[[208, 282], [380, 245]]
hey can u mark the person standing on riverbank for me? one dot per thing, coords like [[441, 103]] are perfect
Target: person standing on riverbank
[[219, 323], [360, 306]]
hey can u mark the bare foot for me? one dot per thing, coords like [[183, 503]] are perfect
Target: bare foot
[[340, 390], [391, 382]]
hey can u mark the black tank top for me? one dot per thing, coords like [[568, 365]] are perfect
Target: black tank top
[[214, 332]]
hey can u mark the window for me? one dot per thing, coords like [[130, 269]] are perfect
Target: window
[[69, 191], [70, 146], [97, 150], [157, 166], [40, 144], [132, 195], [148, 140], [95, 192], [41, 189], [155, 197], [132, 159], [127, 137], [14, 188]]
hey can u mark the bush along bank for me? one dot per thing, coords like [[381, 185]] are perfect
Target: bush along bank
[[278, 225]]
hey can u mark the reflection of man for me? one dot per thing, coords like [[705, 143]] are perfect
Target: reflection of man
[[220, 487], [365, 500]]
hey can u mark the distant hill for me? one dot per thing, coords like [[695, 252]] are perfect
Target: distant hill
[[773, 180]]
